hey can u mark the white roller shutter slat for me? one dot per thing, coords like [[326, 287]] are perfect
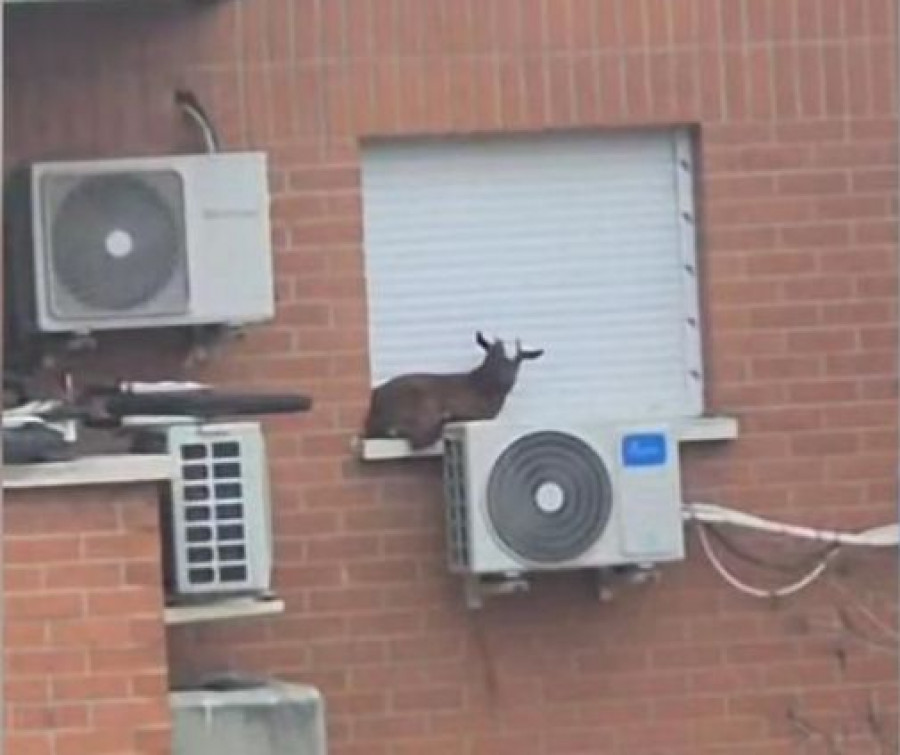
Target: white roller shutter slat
[[581, 244]]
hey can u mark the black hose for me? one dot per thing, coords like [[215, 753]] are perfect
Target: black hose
[[204, 404]]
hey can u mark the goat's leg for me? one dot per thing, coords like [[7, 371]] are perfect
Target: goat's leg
[[424, 435]]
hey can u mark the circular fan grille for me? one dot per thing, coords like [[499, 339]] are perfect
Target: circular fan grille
[[549, 497], [115, 242]]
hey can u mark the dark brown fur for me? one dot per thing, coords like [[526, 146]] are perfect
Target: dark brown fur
[[417, 406]]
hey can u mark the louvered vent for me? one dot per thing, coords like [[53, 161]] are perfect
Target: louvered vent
[[217, 519], [458, 525], [549, 497], [215, 533]]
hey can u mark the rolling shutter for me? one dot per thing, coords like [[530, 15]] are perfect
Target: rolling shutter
[[582, 244]]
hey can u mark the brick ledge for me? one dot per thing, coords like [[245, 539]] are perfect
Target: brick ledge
[[696, 430]]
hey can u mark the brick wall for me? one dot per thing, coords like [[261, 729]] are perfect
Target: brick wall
[[84, 641], [797, 108]]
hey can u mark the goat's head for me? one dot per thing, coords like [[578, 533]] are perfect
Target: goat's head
[[501, 368]]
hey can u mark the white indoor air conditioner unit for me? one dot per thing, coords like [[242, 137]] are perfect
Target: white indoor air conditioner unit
[[145, 242], [522, 499], [216, 512]]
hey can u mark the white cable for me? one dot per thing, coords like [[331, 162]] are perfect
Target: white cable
[[165, 386], [29, 414], [884, 536], [756, 592]]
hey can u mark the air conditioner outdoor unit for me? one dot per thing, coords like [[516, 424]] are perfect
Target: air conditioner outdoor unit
[[274, 718], [523, 499], [216, 513], [150, 242]]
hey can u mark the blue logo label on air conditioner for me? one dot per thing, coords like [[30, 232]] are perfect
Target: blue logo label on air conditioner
[[644, 450]]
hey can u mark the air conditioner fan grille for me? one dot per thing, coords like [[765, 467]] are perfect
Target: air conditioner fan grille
[[549, 497], [116, 242]]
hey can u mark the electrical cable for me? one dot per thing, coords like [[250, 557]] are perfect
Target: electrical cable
[[192, 108], [884, 536], [805, 562], [805, 581]]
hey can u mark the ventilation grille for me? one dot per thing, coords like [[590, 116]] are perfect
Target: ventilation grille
[[116, 244], [549, 497], [212, 511], [458, 525]]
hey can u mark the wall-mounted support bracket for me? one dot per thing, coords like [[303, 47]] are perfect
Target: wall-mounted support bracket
[[478, 587]]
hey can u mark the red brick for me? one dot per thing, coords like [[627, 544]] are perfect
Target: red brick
[[308, 575], [632, 24], [150, 684], [878, 388], [86, 576], [29, 744], [876, 287], [818, 288], [762, 211], [22, 579], [102, 741], [26, 690], [342, 548], [821, 341], [612, 85], [740, 239], [118, 660], [116, 546], [792, 470], [42, 550], [536, 103], [382, 572], [91, 633], [686, 656], [874, 179], [828, 443], [861, 207], [561, 91], [50, 718], [884, 363], [130, 714], [813, 182], [781, 367], [857, 260], [345, 599], [823, 391], [50, 605], [427, 698], [883, 65], [737, 84], [153, 740], [390, 727], [862, 467], [875, 337], [638, 96], [41, 662]]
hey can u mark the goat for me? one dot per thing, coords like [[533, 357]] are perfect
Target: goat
[[417, 406]]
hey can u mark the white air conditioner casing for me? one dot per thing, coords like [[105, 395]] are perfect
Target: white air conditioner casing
[[145, 242], [215, 515], [523, 499]]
